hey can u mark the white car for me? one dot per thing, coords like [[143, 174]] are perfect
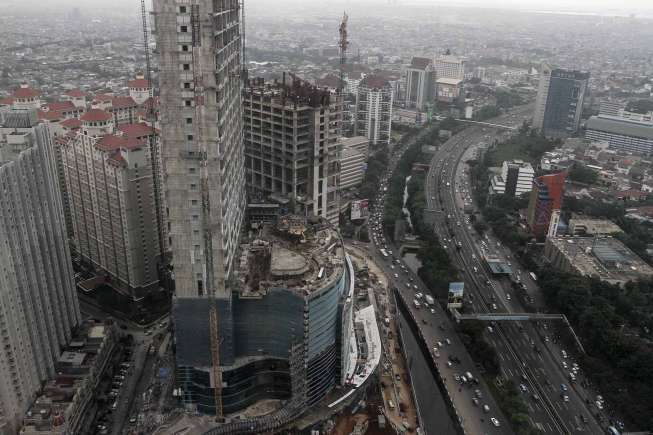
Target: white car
[[565, 398], [495, 422]]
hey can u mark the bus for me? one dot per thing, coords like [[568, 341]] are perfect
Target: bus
[[533, 276], [383, 252]]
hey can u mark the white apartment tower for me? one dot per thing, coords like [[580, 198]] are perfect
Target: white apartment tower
[[111, 198], [374, 110], [38, 304]]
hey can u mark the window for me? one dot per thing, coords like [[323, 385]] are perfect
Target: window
[[186, 67], [187, 85], [193, 202], [189, 137], [187, 103], [191, 170], [189, 120], [182, 9], [193, 187], [184, 29], [184, 48]]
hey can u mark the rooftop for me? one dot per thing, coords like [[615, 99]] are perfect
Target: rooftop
[[620, 126], [297, 253], [96, 115], [374, 81], [603, 257]]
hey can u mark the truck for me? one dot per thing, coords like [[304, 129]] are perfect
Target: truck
[[429, 300]]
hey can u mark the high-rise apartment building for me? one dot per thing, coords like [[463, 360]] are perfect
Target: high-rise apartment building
[[291, 136], [419, 83], [546, 196], [374, 109], [200, 85], [111, 194], [199, 49], [559, 102], [38, 304]]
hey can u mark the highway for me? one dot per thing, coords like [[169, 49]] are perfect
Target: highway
[[437, 331], [527, 355]]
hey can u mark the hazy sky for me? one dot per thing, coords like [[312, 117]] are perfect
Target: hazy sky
[[593, 6]]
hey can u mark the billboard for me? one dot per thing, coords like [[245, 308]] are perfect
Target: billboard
[[359, 209], [455, 298]]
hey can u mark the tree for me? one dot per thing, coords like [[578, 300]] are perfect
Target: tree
[[582, 174]]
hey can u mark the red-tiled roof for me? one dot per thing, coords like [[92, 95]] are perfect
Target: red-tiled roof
[[112, 142], [135, 130], [117, 160], [62, 106], [8, 101], [50, 115], [123, 102], [26, 93], [76, 93], [72, 123], [96, 115], [374, 81], [138, 83], [102, 98]]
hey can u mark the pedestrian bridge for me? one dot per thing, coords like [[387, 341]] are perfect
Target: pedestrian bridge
[[488, 124], [510, 317]]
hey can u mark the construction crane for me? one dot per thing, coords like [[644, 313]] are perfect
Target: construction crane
[[199, 88], [344, 43], [153, 143]]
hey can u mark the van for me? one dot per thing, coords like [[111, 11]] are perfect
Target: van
[[486, 409]]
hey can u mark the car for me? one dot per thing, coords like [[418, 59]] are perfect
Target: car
[[449, 364], [432, 310], [508, 296], [436, 353], [495, 422], [478, 394], [456, 377], [132, 420], [494, 307], [563, 387], [599, 404], [564, 365], [536, 397], [396, 276], [523, 388], [475, 401], [439, 344], [447, 341], [565, 398]]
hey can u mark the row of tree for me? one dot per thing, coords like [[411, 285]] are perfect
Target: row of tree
[[615, 327]]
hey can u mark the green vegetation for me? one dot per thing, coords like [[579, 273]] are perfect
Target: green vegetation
[[486, 112], [508, 98], [640, 106], [376, 166], [615, 326], [513, 406], [582, 174], [636, 235], [482, 351]]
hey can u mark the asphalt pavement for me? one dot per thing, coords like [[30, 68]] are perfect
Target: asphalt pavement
[[539, 374]]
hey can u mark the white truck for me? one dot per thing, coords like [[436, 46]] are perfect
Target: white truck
[[429, 300]]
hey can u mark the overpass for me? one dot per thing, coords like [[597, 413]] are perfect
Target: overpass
[[517, 317], [488, 124]]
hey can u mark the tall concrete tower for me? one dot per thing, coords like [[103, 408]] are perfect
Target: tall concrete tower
[[199, 47], [38, 303]]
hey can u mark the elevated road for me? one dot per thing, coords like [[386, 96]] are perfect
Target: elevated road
[[527, 356]]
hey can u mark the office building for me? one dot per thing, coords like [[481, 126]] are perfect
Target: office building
[[605, 258], [449, 67], [374, 110], [111, 195], [515, 179], [286, 160], [449, 90], [546, 196], [579, 226], [621, 134], [39, 306], [353, 161], [419, 83], [288, 326], [559, 102]]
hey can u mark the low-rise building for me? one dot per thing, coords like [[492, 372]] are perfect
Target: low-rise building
[[61, 407], [605, 258], [622, 134], [353, 158], [592, 227]]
